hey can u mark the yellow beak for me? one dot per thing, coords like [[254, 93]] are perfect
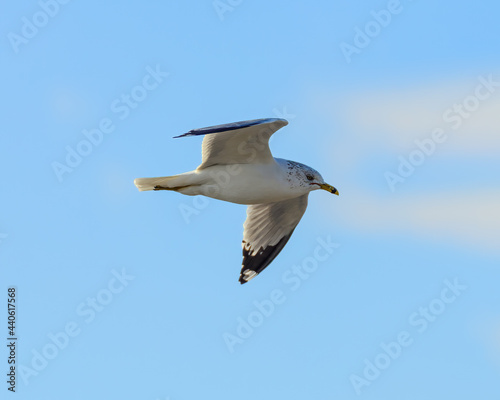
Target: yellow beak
[[329, 188]]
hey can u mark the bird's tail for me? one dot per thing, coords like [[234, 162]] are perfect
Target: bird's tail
[[144, 184], [165, 182]]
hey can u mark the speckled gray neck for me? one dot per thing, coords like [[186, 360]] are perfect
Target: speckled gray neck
[[296, 173]]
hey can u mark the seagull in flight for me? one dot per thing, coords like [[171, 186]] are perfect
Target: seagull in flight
[[237, 166]]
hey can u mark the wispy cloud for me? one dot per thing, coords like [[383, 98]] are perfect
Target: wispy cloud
[[470, 219], [392, 122], [399, 116]]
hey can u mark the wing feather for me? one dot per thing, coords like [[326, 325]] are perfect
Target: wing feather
[[267, 229], [244, 142]]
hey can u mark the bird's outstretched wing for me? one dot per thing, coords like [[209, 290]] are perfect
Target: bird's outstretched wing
[[244, 142], [266, 231]]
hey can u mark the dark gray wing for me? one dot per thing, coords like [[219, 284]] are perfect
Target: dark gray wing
[[244, 142], [267, 229]]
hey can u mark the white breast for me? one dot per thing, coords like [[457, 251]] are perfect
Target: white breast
[[250, 183]]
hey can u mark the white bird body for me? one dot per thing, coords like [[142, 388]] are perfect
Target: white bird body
[[222, 182], [237, 166]]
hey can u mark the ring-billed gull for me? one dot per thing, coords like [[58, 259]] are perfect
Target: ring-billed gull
[[237, 166]]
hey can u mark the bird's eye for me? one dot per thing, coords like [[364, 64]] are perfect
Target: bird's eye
[[310, 177]]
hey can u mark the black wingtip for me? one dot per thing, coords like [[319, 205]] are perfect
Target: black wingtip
[[184, 134], [247, 275], [254, 264], [233, 126]]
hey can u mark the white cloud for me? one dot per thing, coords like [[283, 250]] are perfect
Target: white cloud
[[395, 118], [389, 121], [470, 219]]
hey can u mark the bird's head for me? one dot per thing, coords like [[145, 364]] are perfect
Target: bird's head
[[314, 179]]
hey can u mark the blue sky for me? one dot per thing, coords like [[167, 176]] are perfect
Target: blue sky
[[388, 291]]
